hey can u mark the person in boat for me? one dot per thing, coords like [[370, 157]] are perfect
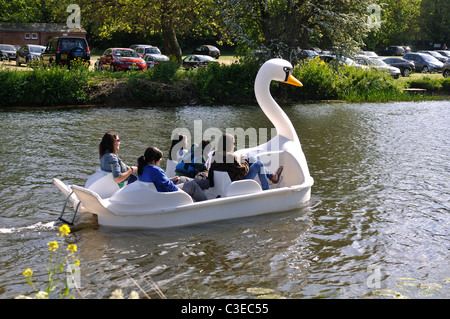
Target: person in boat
[[178, 147], [193, 163], [111, 162], [149, 171], [223, 159]]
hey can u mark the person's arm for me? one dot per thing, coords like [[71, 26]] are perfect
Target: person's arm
[[117, 172]]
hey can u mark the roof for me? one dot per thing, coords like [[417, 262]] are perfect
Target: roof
[[39, 27]]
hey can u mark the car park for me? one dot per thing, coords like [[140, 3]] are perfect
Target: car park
[[64, 50], [436, 54], [392, 51], [406, 67], [121, 59], [209, 50], [378, 65], [28, 53], [7, 52], [195, 60], [143, 50], [154, 59], [446, 69], [424, 62]]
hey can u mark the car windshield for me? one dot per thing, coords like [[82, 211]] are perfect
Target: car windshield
[[435, 54], [152, 51], [377, 62], [126, 53], [7, 47], [429, 58], [37, 49]]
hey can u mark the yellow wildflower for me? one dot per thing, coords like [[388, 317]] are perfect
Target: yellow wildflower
[[28, 273], [53, 245], [72, 248], [64, 230], [76, 262]]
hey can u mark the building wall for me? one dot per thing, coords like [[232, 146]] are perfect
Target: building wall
[[33, 37]]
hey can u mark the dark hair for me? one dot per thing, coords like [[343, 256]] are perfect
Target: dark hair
[[179, 140], [226, 143], [151, 154], [108, 143]]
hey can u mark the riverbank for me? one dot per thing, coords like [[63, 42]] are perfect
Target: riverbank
[[167, 85]]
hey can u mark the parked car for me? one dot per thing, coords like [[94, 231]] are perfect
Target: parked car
[[445, 53], [437, 55], [391, 50], [63, 50], [446, 69], [370, 54], [378, 65], [406, 67], [143, 50], [121, 59], [308, 54], [195, 60], [424, 62], [207, 50], [333, 60], [28, 53], [154, 59], [8, 52]]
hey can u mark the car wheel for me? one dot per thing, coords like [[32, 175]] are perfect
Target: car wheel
[[425, 69], [446, 73], [406, 72]]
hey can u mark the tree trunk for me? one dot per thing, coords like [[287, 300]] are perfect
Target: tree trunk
[[171, 42]]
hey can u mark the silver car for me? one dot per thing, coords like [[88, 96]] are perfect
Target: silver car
[[378, 65]]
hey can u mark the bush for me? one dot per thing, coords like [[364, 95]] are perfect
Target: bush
[[225, 83], [320, 81], [43, 87], [361, 85]]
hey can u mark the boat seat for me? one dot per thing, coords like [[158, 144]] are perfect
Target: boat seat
[[170, 168], [102, 183], [140, 197], [224, 187]]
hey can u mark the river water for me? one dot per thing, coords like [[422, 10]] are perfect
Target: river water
[[377, 224]]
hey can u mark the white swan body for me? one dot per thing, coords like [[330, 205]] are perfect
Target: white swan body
[[139, 205]]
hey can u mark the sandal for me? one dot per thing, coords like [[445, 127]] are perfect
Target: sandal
[[276, 177]]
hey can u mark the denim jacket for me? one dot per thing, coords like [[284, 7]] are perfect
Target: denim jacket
[[111, 162]]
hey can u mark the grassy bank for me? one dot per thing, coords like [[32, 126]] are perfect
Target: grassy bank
[[229, 83]]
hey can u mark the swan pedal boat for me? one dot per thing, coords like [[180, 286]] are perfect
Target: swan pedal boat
[[140, 205]]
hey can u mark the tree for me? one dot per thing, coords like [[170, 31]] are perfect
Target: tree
[[281, 26], [170, 17], [434, 20], [399, 24]]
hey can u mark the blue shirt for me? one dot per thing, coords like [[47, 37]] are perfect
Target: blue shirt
[[155, 174]]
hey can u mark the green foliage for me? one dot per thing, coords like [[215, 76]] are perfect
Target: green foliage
[[222, 83], [55, 86]]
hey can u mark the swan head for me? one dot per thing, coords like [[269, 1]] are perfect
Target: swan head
[[279, 70]]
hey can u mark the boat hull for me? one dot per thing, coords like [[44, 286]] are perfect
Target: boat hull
[[271, 201]]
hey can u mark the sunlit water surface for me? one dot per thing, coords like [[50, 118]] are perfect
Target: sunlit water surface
[[377, 224]]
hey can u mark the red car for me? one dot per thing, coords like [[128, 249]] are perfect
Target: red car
[[121, 59]]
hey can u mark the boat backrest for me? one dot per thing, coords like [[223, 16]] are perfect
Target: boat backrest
[[170, 168], [225, 188], [102, 183], [140, 197]]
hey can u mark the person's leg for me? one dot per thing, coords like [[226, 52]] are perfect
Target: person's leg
[[257, 168], [193, 190]]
